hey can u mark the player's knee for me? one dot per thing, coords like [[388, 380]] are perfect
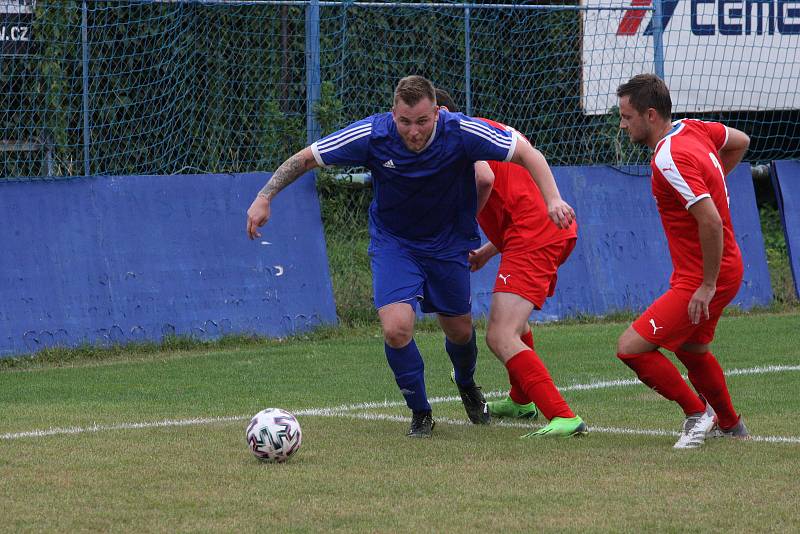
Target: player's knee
[[494, 340], [630, 342], [397, 336], [693, 349], [503, 342], [626, 345], [457, 329], [460, 337]]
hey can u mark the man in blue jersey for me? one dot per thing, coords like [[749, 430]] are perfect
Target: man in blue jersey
[[422, 225]]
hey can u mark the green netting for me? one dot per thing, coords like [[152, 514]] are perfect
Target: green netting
[[126, 87], [216, 86], [154, 88]]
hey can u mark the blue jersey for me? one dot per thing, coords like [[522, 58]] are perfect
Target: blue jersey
[[424, 200]]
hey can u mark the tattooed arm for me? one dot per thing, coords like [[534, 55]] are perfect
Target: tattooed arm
[[289, 171]]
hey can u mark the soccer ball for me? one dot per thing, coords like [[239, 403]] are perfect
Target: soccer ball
[[273, 435]]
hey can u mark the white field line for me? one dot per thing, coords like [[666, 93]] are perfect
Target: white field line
[[120, 426], [355, 411], [528, 426], [622, 382]]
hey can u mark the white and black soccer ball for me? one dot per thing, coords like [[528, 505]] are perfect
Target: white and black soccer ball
[[274, 435]]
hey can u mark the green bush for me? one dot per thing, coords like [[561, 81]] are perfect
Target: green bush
[[777, 252], [345, 208]]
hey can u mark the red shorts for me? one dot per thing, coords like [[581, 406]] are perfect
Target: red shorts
[[666, 322], [532, 274]]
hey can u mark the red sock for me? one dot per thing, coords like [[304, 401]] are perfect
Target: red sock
[[658, 373], [707, 377], [516, 393], [530, 374]]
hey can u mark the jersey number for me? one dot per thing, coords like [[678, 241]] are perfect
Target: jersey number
[[716, 163]]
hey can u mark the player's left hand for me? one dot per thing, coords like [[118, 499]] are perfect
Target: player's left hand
[[698, 305], [561, 213]]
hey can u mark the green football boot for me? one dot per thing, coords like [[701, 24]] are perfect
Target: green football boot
[[561, 427], [510, 409]]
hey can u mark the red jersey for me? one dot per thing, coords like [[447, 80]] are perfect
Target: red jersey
[[515, 213], [686, 169]]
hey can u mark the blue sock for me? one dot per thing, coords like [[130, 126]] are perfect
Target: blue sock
[[409, 373], [464, 358]]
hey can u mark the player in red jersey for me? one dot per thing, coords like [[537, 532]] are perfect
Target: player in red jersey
[[690, 161], [514, 217]]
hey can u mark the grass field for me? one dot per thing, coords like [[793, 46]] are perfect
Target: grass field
[[155, 442]]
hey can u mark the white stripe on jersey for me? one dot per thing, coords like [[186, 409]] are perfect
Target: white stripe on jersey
[[725, 142], [315, 151], [515, 137], [343, 142], [669, 169], [697, 199], [481, 129], [342, 138], [324, 145]]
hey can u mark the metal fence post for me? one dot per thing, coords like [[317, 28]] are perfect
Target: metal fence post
[[85, 60], [467, 61], [313, 77], [658, 38]]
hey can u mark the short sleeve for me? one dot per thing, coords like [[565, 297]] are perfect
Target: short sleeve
[[683, 173], [348, 146], [718, 133], [483, 141]]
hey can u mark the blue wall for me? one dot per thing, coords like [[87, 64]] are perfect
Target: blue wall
[[621, 261], [786, 181], [116, 259]]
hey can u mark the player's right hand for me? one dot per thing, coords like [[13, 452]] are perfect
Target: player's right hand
[[477, 259], [698, 305], [257, 216], [561, 213]]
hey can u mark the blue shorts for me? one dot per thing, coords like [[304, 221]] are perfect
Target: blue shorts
[[441, 285]]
